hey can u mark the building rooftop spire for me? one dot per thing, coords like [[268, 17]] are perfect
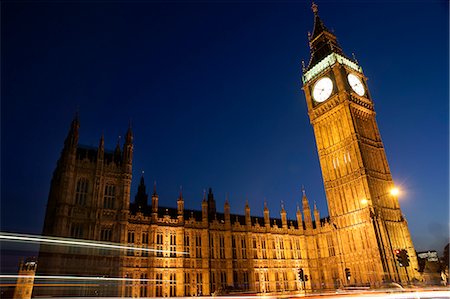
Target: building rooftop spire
[[314, 8], [322, 41]]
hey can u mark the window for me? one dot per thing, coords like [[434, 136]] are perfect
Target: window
[[173, 285], [187, 246], [81, 192], [222, 246], [158, 284], [266, 279], [255, 249], [130, 251], [128, 285], [223, 280], [144, 285], [198, 246], [285, 280], [199, 284], [244, 248], [144, 238], [159, 244], [213, 282], [187, 284], [263, 249], [245, 275], [299, 252], [109, 197], [277, 282], [105, 234], [76, 231], [331, 251], [130, 236], [173, 245], [274, 250], [282, 248], [233, 246], [211, 247]]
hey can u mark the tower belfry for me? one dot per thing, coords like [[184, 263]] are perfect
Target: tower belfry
[[368, 221]]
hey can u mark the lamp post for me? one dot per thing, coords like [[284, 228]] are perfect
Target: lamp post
[[375, 216]]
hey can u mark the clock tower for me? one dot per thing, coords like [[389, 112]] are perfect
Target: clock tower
[[362, 204]]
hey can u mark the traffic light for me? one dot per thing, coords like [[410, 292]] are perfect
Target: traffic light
[[399, 257], [405, 257], [306, 278], [347, 273], [402, 257], [301, 276]]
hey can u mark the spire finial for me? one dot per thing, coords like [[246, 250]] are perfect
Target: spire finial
[[204, 194], [154, 187], [303, 190], [265, 204], [181, 191], [314, 8], [298, 207], [282, 205]]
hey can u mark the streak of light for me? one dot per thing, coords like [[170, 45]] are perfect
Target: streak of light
[[404, 295], [94, 278], [76, 242], [54, 285]]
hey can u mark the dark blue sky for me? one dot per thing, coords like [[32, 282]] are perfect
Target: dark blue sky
[[214, 94]]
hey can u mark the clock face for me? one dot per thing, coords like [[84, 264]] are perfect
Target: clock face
[[356, 84], [322, 89]]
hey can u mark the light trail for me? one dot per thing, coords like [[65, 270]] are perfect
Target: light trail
[[76, 242], [83, 278]]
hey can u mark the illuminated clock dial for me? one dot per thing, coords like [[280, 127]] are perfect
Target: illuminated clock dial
[[356, 84], [322, 89]]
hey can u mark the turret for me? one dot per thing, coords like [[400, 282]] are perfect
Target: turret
[[117, 153], [283, 216], [226, 209], [211, 205], [204, 208], [128, 151], [180, 205], [316, 215], [306, 210], [71, 142], [154, 202], [101, 150], [266, 215], [299, 218], [141, 196], [248, 220]]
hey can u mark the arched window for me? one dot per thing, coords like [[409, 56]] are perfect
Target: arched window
[[81, 192], [109, 197]]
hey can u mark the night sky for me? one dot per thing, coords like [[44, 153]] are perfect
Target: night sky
[[213, 92]]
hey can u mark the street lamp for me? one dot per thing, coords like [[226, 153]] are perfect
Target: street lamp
[[394, 191]]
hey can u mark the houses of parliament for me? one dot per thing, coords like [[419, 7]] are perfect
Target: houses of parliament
[[173, 251]]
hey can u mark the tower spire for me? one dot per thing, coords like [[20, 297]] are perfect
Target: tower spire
[[314, 8], [322, 41]]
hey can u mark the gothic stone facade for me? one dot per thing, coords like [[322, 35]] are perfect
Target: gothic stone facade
[[201, 252], [178, 252]]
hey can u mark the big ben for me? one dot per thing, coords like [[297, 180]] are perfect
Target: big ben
[[362, 202]]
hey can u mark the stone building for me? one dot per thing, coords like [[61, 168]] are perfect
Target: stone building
[[180, 252]]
